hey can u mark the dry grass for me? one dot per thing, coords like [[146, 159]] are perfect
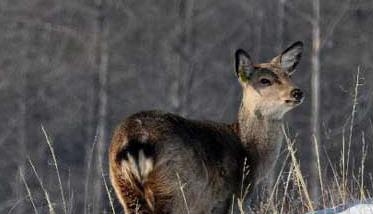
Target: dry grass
[[347, 184], [46, 194], [108, 193], [181, 187], [29, 194], [55, 164], [290, 193]]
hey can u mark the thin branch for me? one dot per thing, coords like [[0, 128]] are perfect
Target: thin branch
[[108, 192], [50, 205], [74, 34], [88, 172], [56, 167], [303, 15], [297, 171], [333, 25], [319, 169], [353, 112], [28, 191], [181, 186]]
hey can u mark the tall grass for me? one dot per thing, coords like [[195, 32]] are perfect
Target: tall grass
[[46, 194], [51, 205], [55, 164], [290, 192], [29, 193]]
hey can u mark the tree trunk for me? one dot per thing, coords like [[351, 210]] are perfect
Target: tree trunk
[[280, 24], [102, 60], [315, 84], [184, 77], [22, 125]]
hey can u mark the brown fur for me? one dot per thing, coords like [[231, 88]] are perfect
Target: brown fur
[[163, 163]]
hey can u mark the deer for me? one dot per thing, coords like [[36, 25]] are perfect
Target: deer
[[160, 162]]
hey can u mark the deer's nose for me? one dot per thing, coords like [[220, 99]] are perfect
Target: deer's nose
[[297, 94]]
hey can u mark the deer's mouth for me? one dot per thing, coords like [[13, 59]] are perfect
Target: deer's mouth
[[293, 102]]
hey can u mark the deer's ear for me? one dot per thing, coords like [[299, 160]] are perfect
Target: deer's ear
[[289, 59], [243, 65]]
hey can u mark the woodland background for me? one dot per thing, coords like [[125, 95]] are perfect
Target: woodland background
[[78, 67]]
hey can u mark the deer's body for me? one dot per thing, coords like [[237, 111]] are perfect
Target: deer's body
[[163, 163], [204, 155]]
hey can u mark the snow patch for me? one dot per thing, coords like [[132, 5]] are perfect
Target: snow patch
[[359, 209]]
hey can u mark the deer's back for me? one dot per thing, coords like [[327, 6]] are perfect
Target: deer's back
[[194, 165]]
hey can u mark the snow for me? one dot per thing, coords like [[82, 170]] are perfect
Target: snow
[[359, 209], [363, 208]]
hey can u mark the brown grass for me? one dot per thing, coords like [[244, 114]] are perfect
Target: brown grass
[[290, 192]]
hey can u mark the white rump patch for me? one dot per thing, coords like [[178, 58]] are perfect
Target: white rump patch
[[140, 168]]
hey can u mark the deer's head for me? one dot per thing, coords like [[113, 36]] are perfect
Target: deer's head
[[267, 87]]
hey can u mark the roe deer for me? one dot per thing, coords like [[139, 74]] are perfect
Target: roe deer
[[164, 163]]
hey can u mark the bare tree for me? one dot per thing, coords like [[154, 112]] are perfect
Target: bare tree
[[22, 129], [280, 24], [315, 89], [100, 33]]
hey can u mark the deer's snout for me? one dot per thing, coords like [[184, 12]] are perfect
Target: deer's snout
[[297, 94]]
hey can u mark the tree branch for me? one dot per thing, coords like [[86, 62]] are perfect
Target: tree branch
[[301, 14], [337, 20], [72, 33]]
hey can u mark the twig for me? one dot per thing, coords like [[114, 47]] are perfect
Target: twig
[[88, 172], [277, 182], [181, 186], [108, 192], [363, 158], [56, 167], [319, 169], [28, 191], [298, 172], [357, 84], [50, 205], [286, 188], [337, 20]]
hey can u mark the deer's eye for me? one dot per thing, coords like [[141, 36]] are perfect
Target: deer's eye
[[265, 82]]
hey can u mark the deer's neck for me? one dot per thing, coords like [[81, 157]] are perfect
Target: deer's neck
[[261, 136]]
